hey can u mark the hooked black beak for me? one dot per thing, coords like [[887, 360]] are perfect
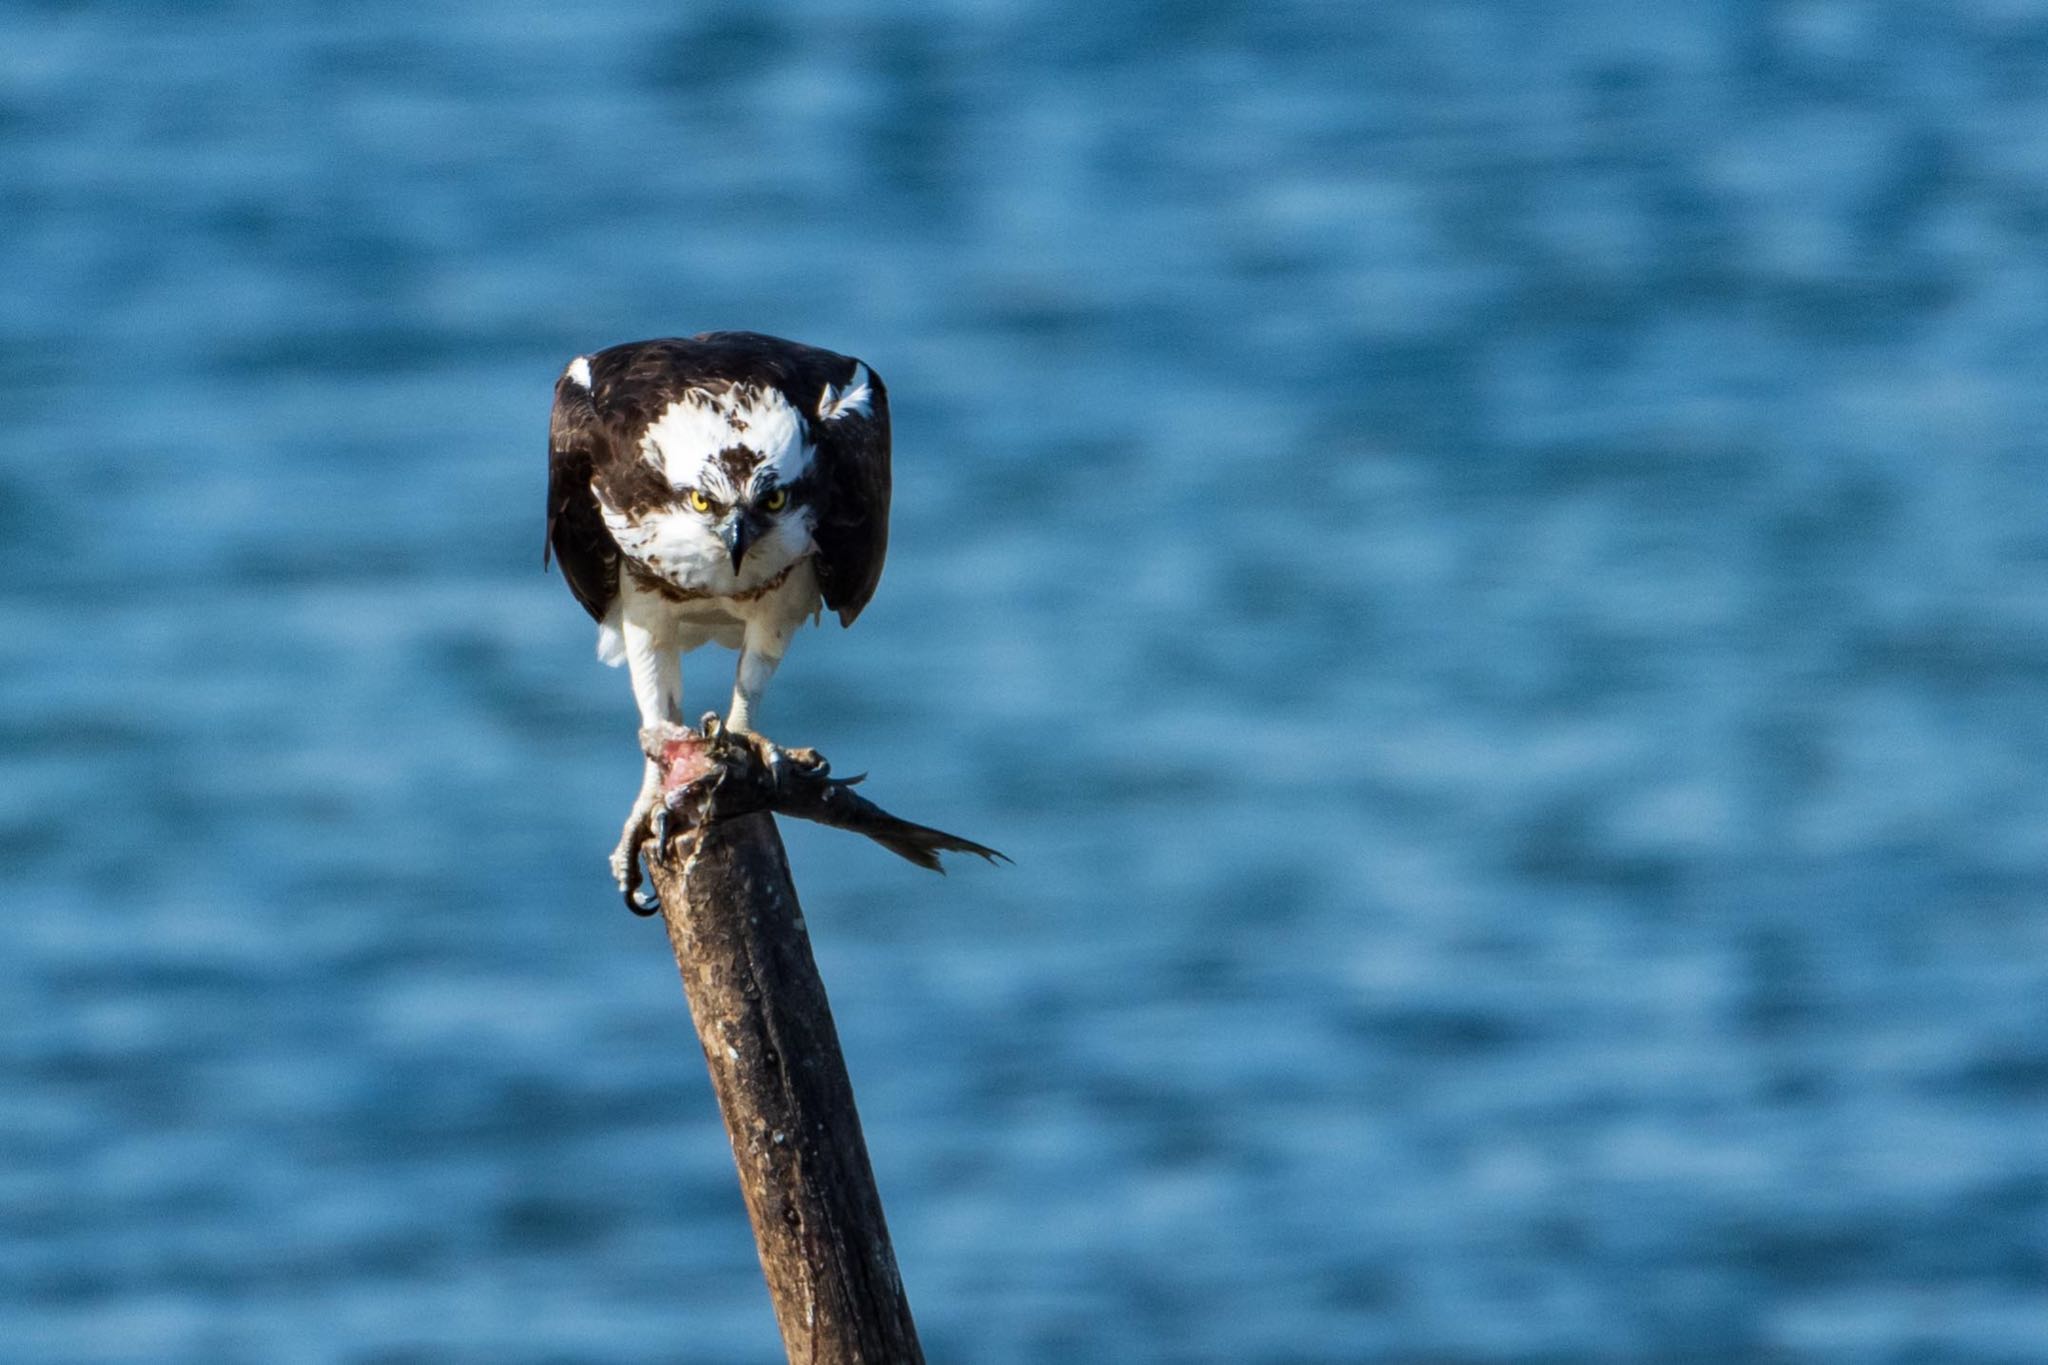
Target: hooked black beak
[[743, 532]]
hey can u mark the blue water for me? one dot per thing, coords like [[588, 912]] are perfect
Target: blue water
[[1489, 564]]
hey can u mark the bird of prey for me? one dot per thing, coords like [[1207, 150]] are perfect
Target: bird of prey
[[720, 488]]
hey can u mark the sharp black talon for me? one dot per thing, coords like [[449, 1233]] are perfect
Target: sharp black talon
[[637, 903]]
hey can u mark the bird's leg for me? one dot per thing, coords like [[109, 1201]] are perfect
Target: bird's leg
[[657, 675], [760, 654]]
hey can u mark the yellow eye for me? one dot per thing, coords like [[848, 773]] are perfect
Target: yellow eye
[[698, 502], [777, 499]]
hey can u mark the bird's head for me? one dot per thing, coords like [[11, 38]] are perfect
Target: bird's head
[[738, 462], [759, 512]]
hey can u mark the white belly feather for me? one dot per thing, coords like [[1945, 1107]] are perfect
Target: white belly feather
[[713, 619]]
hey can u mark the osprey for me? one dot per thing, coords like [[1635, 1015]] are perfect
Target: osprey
[[720, 488]]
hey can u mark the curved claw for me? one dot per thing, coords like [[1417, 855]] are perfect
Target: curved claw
[[639, 902], [648, 903]]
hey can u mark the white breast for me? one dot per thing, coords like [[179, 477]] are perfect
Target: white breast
[[684, 625]]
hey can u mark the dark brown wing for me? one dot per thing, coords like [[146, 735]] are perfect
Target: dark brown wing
[[576, 532], [852, 466]]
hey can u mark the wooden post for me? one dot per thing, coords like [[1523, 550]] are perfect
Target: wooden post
[[767, 1033]]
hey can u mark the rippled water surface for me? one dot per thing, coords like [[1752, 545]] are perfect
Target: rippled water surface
[[1490, 568]]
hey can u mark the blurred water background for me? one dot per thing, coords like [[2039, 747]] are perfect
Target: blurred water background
[[1489, 564]]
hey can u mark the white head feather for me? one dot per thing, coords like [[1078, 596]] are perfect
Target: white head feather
[[856, 397], [694, 428]]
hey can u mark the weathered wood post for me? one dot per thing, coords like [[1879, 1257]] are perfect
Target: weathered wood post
[[766, 1029]]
